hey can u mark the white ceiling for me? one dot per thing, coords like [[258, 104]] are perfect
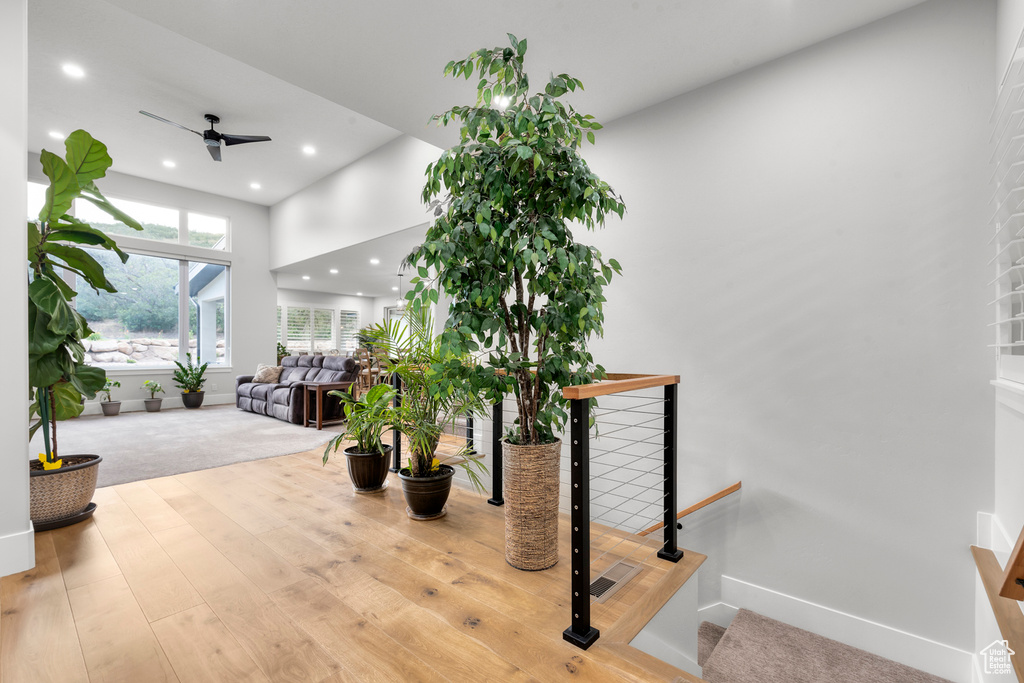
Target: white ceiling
[[348, 77], [355, 272], [132, 64]]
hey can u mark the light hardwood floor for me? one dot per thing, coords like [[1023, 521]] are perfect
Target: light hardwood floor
[[274, 570]]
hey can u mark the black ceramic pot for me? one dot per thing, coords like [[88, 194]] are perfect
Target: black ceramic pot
[[426, 496], [192, 399], [368, 471]]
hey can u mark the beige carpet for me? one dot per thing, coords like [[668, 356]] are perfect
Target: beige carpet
[[141, 445], [756, 649]]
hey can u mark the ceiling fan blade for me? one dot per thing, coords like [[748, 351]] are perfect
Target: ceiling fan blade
[[240, 139], [214, 151], [160, 118]]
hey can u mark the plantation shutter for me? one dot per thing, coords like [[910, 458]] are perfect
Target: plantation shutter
[[323, 329], [348, 327], [279, 324], [299, 329]]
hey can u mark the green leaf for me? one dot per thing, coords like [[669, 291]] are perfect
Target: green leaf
[[536, 161], [87, 157], [41, 340], [88, 379], [92, 194], [62, 190], [90, 268], [590, 136], [43, 371], [67, 402], [49, 298]]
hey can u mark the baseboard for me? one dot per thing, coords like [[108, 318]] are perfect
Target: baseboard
[[170, 403], [916, 651], [17, 551], [718, 613]]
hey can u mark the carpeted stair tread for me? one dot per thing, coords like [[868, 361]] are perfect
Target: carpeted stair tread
[[708, 635], [756, 649]]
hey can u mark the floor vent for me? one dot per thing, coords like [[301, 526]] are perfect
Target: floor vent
[[613, 578]]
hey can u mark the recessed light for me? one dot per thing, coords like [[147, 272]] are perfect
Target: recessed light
[[375, 262], [305, 277], [359, 293], [56, 135], [254, 186], [169, 164], [334, 271], [73, 70], [394, 289], [309, 150]]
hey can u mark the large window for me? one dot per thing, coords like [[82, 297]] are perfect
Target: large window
[[166, 304]]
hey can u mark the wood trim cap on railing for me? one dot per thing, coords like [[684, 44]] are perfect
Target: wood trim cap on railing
[[616, 383], [1013, 575]]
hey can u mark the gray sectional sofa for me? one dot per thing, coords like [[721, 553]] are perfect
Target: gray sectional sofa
[[283, 399]]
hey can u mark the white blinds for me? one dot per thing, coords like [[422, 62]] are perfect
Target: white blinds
[[348, 328], [1007, 223], [313, 329]]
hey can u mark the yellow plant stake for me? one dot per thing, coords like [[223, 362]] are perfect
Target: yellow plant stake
[[47, 465]]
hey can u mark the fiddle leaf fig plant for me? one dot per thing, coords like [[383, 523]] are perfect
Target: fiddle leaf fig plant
[[524, 293], [56, 357]]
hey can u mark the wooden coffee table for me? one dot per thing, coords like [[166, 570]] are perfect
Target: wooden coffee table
[[314, 392]]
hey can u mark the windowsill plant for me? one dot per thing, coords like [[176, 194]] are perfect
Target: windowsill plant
[[154, 402], [189, 378]]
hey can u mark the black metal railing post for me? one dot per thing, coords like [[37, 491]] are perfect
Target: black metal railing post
[[497, 495], [581, 633], [396, 436], [470, 436], [669, 550]]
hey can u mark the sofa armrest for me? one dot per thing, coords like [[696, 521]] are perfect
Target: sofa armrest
[[243, 379]]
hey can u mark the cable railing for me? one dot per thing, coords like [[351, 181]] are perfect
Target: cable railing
[[621, 477], [617, 481]]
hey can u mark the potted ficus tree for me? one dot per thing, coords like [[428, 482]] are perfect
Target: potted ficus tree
[[110, 407], [367, 418], [433, 398], [61, 487], [154, 402], [523, 291], [189, 378]]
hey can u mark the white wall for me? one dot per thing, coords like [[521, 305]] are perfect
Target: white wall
[[253, 288], [1009, 20], [804, 246], [16, 539], [377, 195]]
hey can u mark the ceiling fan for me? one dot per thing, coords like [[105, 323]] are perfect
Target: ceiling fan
[[211, 137]]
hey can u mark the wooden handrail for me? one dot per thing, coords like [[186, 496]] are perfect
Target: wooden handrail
[[1006, 610], [697, 506], [616, 383], [1013, 575]]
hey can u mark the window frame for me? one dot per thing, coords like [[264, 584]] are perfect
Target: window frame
[[185, 254]]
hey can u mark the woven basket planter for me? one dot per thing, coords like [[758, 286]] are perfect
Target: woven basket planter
[[64, 494], [530, 476]]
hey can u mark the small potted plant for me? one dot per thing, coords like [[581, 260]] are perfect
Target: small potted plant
[[433, 397], [282, 351], [110, 407], [153, 402], [189, 378], [367, 418]]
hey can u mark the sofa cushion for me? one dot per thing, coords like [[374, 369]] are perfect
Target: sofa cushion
[[267, 374]]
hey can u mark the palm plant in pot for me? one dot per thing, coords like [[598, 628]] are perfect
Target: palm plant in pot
[[110, 407], [523, 291], [61, 487], [367, 418], [154, 402], [433, 398], [189, 378]]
